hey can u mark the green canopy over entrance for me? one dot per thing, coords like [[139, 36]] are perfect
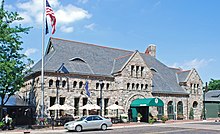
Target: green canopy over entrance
[[147, 102]]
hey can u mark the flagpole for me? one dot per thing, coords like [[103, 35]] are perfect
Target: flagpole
[[42, 62]]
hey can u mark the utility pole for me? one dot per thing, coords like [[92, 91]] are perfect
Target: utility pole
[[204, 107]]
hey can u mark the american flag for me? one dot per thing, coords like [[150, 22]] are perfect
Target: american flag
[[49, 11]]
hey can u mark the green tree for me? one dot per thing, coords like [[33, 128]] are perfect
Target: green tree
[[13, 64], [214, 85]]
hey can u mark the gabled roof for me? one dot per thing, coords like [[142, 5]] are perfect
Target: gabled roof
[[183, 75], [164, 79], [84, 58], [212, 96], [98, 59]]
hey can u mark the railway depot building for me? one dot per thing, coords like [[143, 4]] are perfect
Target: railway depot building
[[135, 80]]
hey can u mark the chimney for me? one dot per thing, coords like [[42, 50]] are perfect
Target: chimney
[[151, 50]]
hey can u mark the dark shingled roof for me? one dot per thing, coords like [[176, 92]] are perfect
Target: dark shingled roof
[[183, 75], [91, 59], [212, 96]]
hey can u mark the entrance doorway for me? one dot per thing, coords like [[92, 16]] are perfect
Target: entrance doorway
[[142, 106]]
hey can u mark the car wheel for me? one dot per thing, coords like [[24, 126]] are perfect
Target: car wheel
[[78, 128], [104, 127]]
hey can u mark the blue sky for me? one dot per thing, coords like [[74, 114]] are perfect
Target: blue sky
[[186, 32]]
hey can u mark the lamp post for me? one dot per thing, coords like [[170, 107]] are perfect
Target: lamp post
[[204, 108], [101, 86]]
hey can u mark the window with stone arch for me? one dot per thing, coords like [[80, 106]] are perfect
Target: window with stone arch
[[132, 70], [133, 86], [137, 86], [170, 109], [107, 86], [195, 104], [128, 86], [74, 84], [50, 83], [63, 83], [80, 84], [180, 108], [142, 86], [97, 86], [146, 86]]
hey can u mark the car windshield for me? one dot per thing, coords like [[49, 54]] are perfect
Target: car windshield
[[82, 118]]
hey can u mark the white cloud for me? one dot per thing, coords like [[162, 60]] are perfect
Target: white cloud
[[90, 26], [83, 1], [30, 51], [70, 14], [195, 63], [66, 29], [66, 15]]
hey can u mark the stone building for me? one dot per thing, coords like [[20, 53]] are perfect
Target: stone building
[[114, 75]]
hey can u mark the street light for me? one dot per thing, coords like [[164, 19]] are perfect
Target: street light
[[204, 108], [101, 86]]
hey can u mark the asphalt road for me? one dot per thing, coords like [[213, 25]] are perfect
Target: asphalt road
[[178, 128]]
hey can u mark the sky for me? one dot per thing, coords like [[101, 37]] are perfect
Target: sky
[[185, 32]]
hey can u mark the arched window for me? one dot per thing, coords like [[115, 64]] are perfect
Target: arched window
[[142, 86], [57, 83], [97, 86], [63, 83], [107, 86], [170, 111], [137, 86], [80, 84], [50, 83], [132, 86], [195, 104], [146, 86], [179, 108], [128, 86], [74, 84]]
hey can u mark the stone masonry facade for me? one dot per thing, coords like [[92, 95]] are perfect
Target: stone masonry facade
[[133, 81]]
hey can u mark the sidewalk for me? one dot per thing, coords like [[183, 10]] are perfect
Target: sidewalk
[[23, 129]]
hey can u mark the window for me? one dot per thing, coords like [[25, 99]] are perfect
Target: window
[[132, 70], [50, 83], [142, 86], [137, 71], [137, 86], [170, 111], [97, 86], [76, 105], [74, 84], [89, 118], [63, 83], [195, 104], [128, 86], [146, 86], [180, 108], [80, 84], [107, 86], [142, 71], [96, 118], [132, 86]]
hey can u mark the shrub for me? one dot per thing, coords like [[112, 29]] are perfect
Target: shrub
[[151, 120], [164, 119], [139, 115]]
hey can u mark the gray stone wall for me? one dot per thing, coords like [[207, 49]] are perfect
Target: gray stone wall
[[132, 82]]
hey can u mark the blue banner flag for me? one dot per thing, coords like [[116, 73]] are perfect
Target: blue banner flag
[[87, 88]]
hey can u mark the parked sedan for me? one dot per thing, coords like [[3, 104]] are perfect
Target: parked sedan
[[88, 122]]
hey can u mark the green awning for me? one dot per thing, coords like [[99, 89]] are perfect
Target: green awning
[[147, 102]]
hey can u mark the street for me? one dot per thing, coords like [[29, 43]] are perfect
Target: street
[[173, 128]]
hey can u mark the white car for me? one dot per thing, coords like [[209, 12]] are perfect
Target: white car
[[88, 122]]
